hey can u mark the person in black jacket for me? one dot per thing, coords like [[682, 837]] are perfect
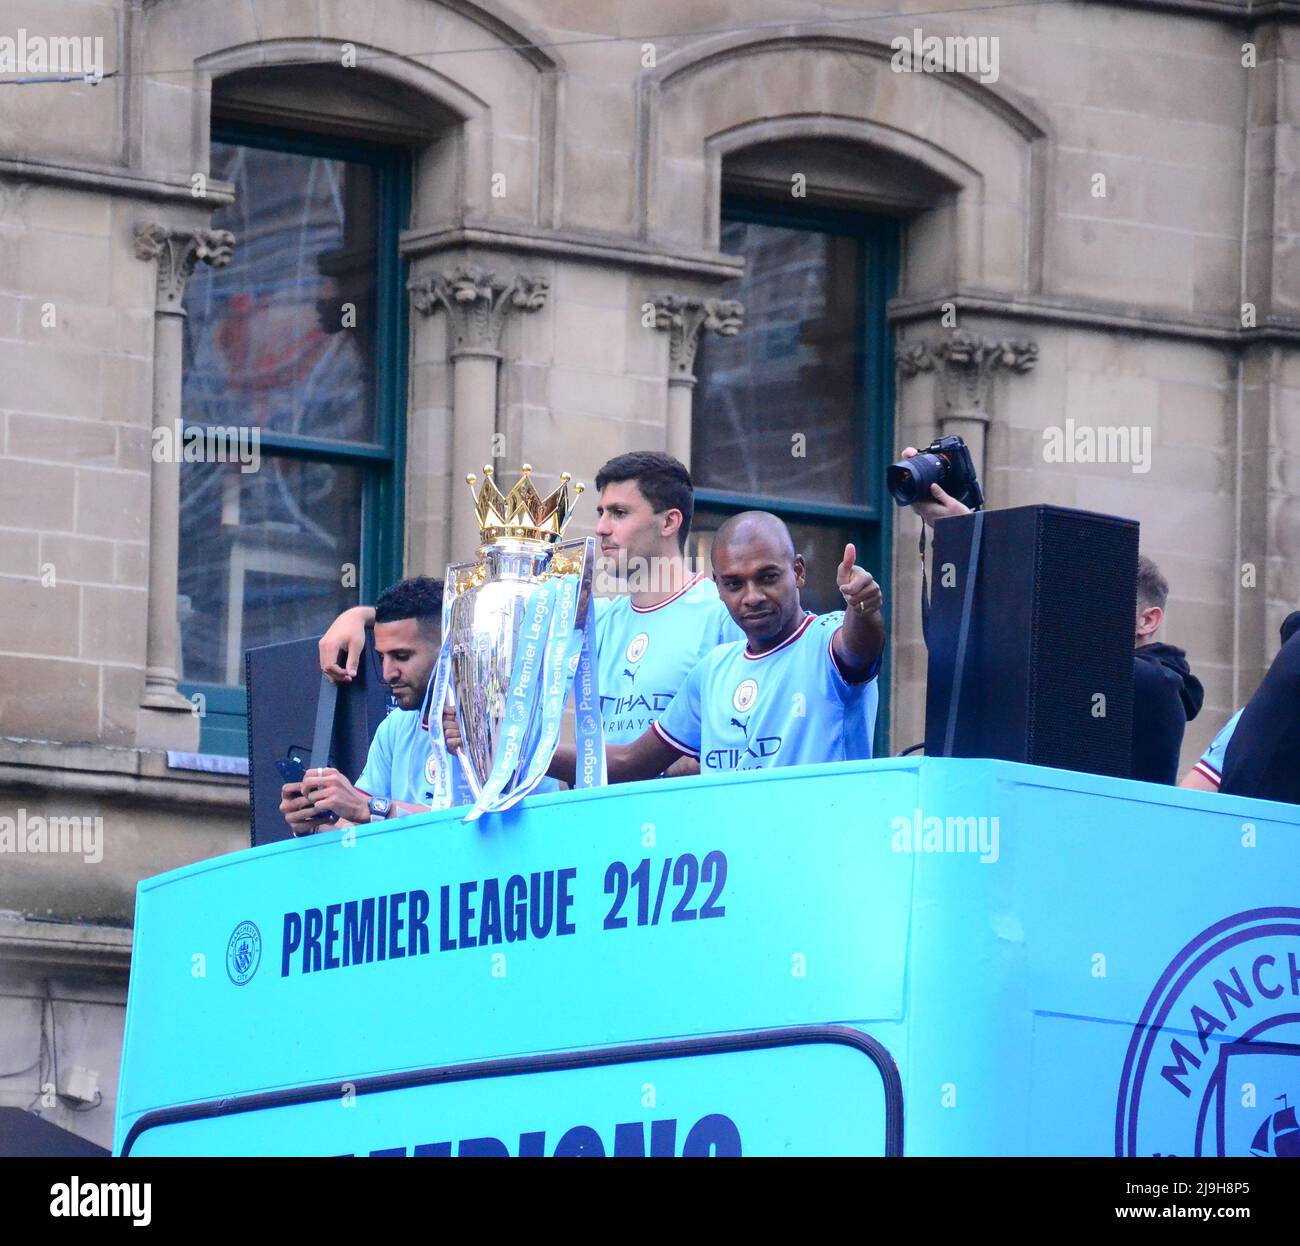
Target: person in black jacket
[[1166, 695], [1263, 757]]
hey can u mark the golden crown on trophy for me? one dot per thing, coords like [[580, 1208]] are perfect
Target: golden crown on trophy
[[522, 513]]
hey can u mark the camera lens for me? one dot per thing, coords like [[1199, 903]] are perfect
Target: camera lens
[[910, 480]]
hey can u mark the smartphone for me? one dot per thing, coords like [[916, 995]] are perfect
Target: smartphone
[[293, 770]]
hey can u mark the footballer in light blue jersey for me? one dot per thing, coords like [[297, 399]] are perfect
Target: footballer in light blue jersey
[[645, 652], [798, 689], [400, 765], [398, 777], [791, 705]]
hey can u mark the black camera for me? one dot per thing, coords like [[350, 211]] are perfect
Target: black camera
[[946, 463]]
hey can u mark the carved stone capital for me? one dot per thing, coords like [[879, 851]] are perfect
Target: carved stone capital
[[964, 365], [686, 318], [179, 252], [476, 301]]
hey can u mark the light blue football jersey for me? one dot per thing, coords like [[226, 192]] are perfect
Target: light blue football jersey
[[400, 766], [396, 763], [645, 653], [1210, 765], [790, 706]]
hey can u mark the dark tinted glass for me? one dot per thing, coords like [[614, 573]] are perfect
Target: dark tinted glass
[[777, 408], [282, 338]]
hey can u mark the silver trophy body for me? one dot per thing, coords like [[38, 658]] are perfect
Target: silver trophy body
[[488, 614]]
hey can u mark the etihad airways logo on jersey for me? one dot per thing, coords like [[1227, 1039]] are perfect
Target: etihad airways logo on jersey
[[750, 757], [647, 703], [753, 753]]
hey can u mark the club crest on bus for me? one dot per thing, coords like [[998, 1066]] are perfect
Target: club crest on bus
[[243, 952], [1213, 1065]]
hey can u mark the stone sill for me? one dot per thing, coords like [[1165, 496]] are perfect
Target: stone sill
[[59, 944], [127, 773]]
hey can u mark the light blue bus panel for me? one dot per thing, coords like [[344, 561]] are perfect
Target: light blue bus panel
[[938, 956], [799, 1091]]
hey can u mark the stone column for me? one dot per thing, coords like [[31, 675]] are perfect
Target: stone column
[[477, 302], [166, 720], [685, 318], [964, 365]]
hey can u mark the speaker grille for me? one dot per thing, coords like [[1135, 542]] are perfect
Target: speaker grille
[[1081, 642], [1049, 666]]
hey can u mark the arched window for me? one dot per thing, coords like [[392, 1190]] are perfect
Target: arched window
[[301, 339]]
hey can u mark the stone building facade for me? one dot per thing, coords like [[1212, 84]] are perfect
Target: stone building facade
[[1097, 228]]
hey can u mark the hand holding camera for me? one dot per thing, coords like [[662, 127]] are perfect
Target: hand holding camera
[[936, 482]]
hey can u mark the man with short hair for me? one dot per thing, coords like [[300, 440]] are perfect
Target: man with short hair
[[1166, 695], [799, 689], [398, 777], [650, 639]]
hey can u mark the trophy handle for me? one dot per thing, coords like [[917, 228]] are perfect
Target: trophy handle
[[461, 576], [583, 552]]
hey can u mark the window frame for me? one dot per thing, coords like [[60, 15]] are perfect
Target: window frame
[[879, 238], [224, 723]]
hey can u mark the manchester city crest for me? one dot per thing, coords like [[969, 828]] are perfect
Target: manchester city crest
[[636, 649], [745, 695], [1213, 1065], [243, 952]]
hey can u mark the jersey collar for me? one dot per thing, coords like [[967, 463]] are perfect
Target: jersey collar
[[668, 601], [786, 643]]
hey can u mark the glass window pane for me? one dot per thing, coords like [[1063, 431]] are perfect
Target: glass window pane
[[794, 368], [262, 557], [821, 544], [282, 338]]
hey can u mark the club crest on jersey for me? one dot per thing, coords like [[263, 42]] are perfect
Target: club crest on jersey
[[636, 649], [431, 769], [745, 695]]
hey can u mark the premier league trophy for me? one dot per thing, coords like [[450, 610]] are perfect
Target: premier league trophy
[[517, 634]]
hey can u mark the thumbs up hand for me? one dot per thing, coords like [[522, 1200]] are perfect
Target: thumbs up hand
[[858, 587]]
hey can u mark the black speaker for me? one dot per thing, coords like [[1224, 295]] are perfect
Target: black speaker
[[1047, 676], [284, 684]]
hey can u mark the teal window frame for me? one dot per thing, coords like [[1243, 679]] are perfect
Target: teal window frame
[[224, 723], [879, 237]]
